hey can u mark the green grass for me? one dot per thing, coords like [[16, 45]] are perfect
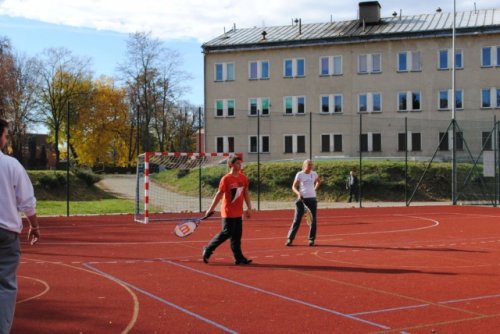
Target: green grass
[[104, 206]]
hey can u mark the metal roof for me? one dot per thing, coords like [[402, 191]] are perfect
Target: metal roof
[[487, 20]]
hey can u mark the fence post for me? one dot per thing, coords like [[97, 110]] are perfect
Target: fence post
[[310, 135], [360, 185], [406, 161], [200, 160], [258, 159]]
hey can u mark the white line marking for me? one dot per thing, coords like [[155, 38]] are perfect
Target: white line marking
[[298, 301]]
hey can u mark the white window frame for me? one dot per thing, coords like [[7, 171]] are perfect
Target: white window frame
[[261, 150], [369, 102], [494, 103], [494, 56], [370, 67], [224, 72], [409, 141], [225, 109], [225, 143], [448, 97], [295, 143], [259, 64], [331, 104], [294, 67], [411, 58], [331, 139], [332, 69], [370, 141], [449, 59], [295, 105], [409, 101], [260, 109]]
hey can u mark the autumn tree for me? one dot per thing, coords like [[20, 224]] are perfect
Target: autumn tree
[[60, 74], [101, 134], [17, 94]]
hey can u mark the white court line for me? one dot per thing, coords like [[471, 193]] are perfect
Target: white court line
[[161, 300], [298, 301], [453, 301]]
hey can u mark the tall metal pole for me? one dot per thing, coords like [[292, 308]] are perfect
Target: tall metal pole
[[258, 159], [453, 105], [360, 183], [200, 159], [67, 160], [406, 160], [310, 136]]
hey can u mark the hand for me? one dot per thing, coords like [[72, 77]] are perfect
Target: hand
[[248, 213], [33, 235]]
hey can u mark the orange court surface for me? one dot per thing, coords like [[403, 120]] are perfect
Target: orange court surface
[[405, 270]]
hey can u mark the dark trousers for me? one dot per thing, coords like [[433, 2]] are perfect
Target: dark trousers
[[312, 204], [232, 228], [10, 253], [353, 191]]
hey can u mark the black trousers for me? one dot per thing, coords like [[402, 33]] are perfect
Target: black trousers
[[232, 228], [353, 191], [312, 204]]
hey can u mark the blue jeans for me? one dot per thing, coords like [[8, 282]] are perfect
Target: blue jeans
[[10, 253]]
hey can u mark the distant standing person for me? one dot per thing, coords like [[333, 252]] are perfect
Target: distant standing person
[[16, 194], [233, 190], [304, 185], [351, 184]]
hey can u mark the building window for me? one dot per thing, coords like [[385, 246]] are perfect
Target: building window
[[409, 101], [444, 60], [294, 68], [224, 108], [369, 63], [445, 143], [409, 61], [331, 65], [224, 144], [445, 97], [410, 140], [258, 70], [224, 72], [295, 143], [370, 102], [294, 105], [260, 104], [371, 142], [264, 144], [331, 142], [487, 141], [331, 103], [490, 56], [490, 98]]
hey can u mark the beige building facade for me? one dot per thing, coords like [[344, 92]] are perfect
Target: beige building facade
[[306, 90]]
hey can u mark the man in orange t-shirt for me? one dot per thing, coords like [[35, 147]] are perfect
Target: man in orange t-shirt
[[233, 190]]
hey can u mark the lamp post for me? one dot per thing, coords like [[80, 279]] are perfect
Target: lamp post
[[453, 107]]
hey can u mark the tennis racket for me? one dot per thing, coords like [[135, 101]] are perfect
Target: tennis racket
[[308, 214], [187, 227]]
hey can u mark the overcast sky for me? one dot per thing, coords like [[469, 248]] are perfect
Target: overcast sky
[[99, 28]]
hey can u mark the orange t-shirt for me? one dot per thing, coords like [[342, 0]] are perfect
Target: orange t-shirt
[[233, 188]]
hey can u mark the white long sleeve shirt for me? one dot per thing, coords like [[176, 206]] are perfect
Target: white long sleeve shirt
[[16, 194]]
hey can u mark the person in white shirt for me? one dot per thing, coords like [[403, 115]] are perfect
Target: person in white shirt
[[16, 195], [305, 184]]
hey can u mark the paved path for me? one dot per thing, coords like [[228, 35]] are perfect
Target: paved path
[[125, 186]]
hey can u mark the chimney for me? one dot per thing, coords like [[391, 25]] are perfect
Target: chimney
[[369, 12]]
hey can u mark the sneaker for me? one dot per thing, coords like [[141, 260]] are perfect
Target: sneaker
[[243, 261], [311, 243], [206, 254], [288, 242]]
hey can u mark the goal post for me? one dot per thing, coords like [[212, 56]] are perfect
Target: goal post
[[172, 182]]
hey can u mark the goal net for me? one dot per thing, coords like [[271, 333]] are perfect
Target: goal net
[[173, 182]]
